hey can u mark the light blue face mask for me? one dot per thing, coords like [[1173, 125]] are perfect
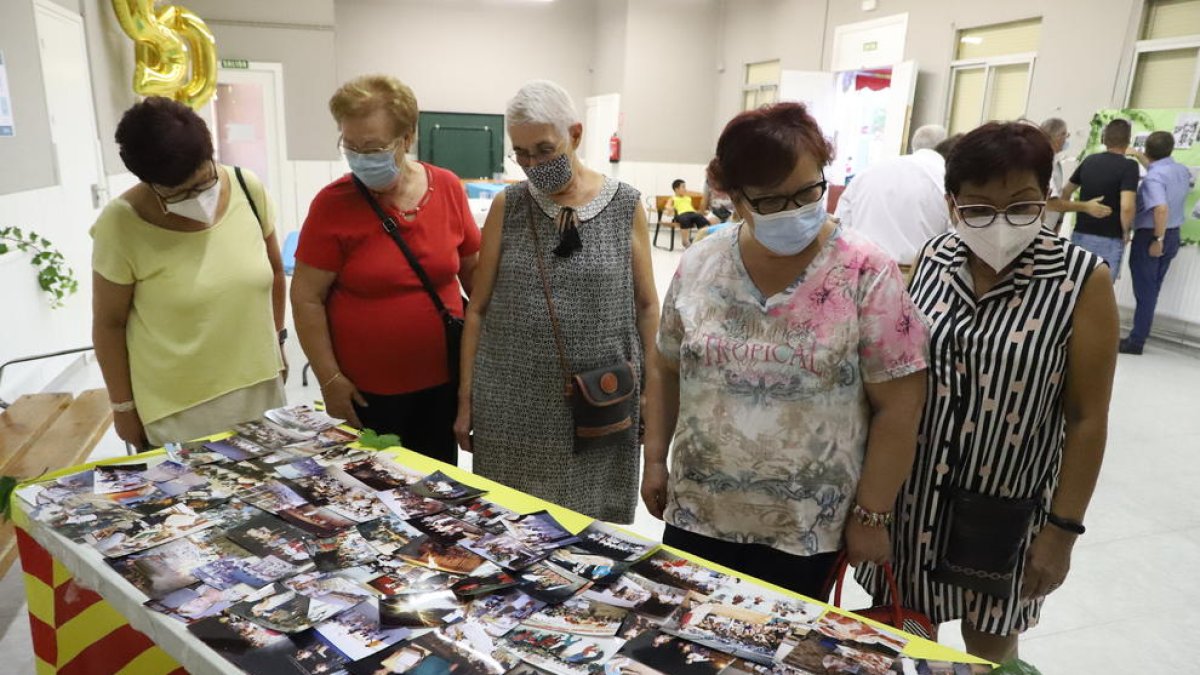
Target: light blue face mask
[[377, 170], [790, 232]]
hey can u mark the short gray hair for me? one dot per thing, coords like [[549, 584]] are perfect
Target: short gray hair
[[542, 102], [1054, 126], [928, 136]]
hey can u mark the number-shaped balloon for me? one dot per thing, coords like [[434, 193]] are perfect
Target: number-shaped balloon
[[175, 53]]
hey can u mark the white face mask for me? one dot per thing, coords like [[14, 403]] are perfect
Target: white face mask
[[201, 208], [999, 243]]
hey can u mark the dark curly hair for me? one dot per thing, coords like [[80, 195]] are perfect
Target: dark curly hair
[[163, 141], [761, 147], [996, 149]]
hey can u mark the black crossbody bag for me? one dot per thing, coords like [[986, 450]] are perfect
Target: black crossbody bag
[[453, 325]]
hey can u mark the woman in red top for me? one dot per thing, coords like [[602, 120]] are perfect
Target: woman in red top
[[371, 332]]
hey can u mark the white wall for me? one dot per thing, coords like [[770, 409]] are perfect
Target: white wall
[[608, 50]]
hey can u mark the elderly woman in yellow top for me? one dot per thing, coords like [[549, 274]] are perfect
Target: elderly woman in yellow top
[[188, 286]]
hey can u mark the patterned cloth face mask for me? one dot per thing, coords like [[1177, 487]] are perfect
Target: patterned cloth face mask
[[552, 176]]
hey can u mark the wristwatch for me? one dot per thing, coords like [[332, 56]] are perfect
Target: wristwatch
[[282, 335], [1160, 239]]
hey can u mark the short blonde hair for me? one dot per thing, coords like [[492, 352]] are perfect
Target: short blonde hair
[[363, 95]]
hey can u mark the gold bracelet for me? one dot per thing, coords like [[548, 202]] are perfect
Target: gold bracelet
[[330, 380], [871, 519]]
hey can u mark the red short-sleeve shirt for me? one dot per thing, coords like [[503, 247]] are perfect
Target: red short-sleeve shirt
[[387, 335]]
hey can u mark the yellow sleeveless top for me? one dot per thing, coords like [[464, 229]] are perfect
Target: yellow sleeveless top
[[683, 204]]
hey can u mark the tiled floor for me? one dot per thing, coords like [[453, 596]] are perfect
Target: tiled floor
[[1132, 602]]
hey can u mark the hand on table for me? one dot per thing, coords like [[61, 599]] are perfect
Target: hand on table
[[340, 395], [1047, 562]]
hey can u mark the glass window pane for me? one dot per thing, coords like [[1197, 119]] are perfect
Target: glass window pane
[[1171, 18], [749, 99], [1163, 79], [768, 95], [765, 72], [1010, 85], [999, 39], [966, 103]]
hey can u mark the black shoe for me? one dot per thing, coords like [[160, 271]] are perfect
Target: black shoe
[[1127, 347]]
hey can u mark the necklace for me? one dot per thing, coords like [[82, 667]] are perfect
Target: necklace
[[410, 215]]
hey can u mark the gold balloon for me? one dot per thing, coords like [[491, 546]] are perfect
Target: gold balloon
[[174, 51]]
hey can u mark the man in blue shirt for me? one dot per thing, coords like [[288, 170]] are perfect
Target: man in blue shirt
[[1160, 213]]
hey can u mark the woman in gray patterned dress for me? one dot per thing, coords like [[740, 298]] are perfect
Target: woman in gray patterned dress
[[596, 250]]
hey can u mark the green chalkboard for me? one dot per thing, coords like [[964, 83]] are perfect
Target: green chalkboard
[[471, 145]]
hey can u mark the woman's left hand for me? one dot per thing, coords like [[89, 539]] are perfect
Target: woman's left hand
[[1047, 562], [283, 372], [867, 544]]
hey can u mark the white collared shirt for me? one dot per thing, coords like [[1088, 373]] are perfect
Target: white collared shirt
[[899, 203]]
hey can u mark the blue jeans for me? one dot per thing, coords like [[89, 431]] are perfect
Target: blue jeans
[[1148, 274], [1112, 250]]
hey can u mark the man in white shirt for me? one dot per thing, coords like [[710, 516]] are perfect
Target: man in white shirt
[[900, 203]]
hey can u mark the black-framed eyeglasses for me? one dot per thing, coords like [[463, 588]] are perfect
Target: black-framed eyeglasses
[[193, 191], [1019, 214], [775, 203]]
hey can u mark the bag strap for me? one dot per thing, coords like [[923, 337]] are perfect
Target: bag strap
[[559, 344], [839, 577], [237, 171], [393, 231]]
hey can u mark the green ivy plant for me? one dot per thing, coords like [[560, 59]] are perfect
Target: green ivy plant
[[8, 485], [55, 277], [370, 439]]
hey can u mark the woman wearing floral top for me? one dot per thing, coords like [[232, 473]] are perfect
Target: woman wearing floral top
[[792, 373]]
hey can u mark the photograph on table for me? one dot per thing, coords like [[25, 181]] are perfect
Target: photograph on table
[[389, 534], [165, 471], [393, 661], [268, 434], [540, 531], [267, 535], [282, 609], [482, 584], [273, 497], [255, 469], [77, 515], [59, 489], [231, 514], [315, 656], [579, 616], [405, 503], [357, 504], [908, 666], [334, 590], [505, 550], [472, 636], [166, 568], [408, 578], [202, 498], [438, 485], [562, 653], [111, 478], [284, 455], [667, 568], [358, 634], [446, 528], [429, 552], [158, 528], [254, 572], [235, 449], [243, 643], [750, 596], [300, 469], [198, 601], [379, 473], [501, 612], [337, 455], [550, 583], [742, 632], [657, 653], [610, 541], [816, 652], [633, 591], [597, 568], [856, 634], [347, 548], [182, 483], [420, 610], [318, 488], [193, 453], [317, 520], [302, 419], [222, 478], [635, 624], [486, 514]]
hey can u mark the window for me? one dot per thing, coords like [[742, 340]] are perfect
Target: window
[[762, 84], [1166, 70], [990, 74]]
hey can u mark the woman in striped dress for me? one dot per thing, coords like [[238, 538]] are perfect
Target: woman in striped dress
[[1023, 338]]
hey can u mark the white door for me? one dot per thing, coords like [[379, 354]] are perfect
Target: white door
[[601, 120], [247, 122], [815, 89], [901, 95]]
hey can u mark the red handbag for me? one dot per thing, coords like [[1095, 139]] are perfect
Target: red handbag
[[894, 615]]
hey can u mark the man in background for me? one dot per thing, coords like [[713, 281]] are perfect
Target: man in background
[[1112, 178], [1056, 205], [900, 203], [1160, 213]]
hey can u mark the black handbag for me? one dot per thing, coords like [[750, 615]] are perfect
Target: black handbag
[[453, 325], [601, 400]]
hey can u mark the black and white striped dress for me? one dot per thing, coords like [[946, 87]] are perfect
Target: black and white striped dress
[[1007, 354]]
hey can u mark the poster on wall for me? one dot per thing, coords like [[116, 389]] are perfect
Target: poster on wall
[[1184, 125], [6, 115]]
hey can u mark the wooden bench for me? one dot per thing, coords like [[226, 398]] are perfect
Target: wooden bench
[[656, 212], [47, 432]]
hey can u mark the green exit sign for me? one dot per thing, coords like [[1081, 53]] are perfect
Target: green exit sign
[[870, 46], [240, 64]]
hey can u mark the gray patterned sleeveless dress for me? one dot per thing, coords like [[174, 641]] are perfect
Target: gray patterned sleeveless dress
[[523, 427]]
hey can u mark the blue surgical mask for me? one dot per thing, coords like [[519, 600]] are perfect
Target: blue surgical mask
[[377, 170], [790, 232]]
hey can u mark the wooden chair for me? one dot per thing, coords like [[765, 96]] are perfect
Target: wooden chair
[[47, 432], [656, 212]]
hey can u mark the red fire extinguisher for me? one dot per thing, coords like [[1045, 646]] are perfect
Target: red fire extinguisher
[[614, 148]]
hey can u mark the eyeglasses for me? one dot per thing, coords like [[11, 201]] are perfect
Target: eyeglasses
[[775, 203], [191, 192], [343, 148], [1019, 214], [541, 155]]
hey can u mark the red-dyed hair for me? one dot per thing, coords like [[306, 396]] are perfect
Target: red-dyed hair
[[996, 149], [761, 147]]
